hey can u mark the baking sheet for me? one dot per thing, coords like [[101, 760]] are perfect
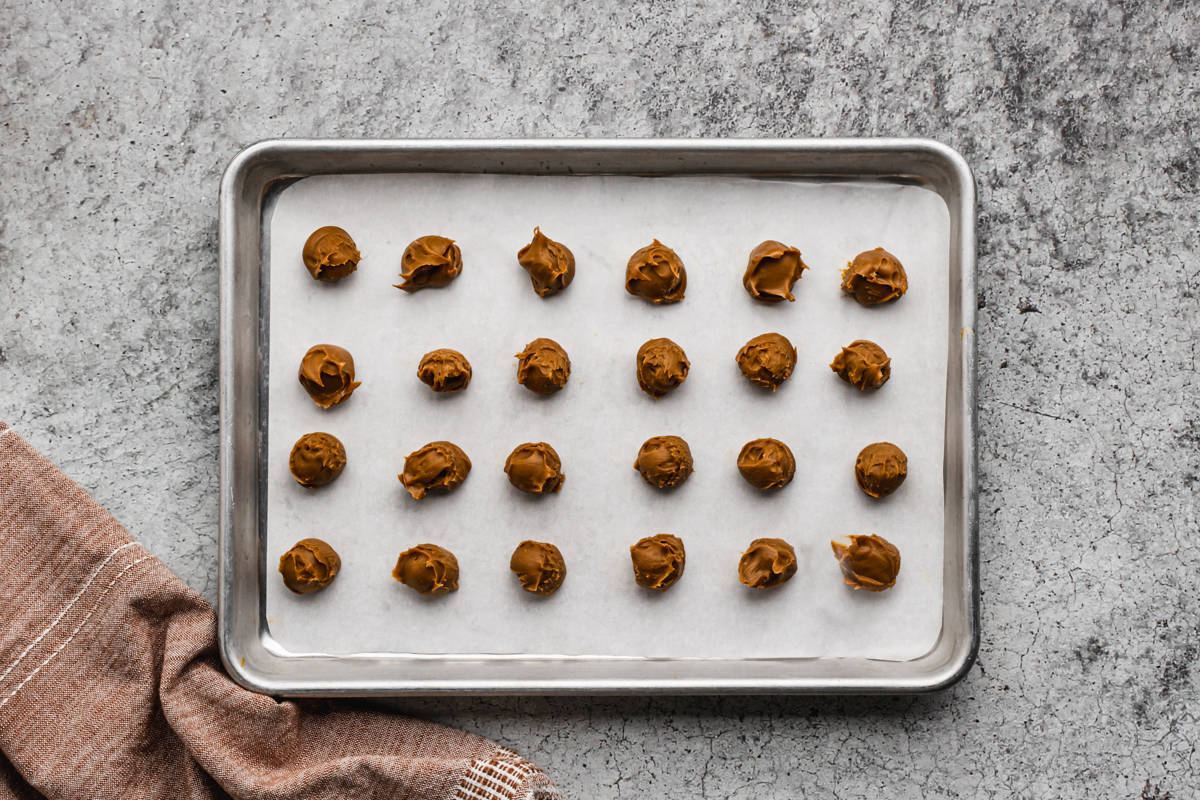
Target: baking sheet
[[598, 422]]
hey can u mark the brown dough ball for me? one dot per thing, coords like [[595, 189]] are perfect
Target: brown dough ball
[[428, 569], [539, 566], [664, 461], [436, 468], [655, 273], [658, 561], [767, 360], [874, 277], [330, 254], [661, 366], [309, 566], [863, 364], [550, 264], [868, 562], [766, 464], [880, 469], [444, 370], [429, 262], [772, 271], [317, 459], [543, 366], [767, 563], [535, 468], [327, 374]]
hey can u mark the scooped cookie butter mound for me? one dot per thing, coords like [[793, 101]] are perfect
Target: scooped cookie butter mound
[[664, 461], [309, 566], [539, 566], [427, 569], [874, 277], [766, 464], [330, 254], [868, 562], [772, 271], [535, 468], [327, 374], [317, 459], [658, 561], [661, 367], [863, 364], [767, 563], [767, 360], [656, 273], [436, 468], [550, 264], [429, 262], [880, 469], [543, 366], [444, 370]]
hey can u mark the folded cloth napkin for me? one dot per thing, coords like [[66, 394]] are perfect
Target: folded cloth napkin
[[111, 685]]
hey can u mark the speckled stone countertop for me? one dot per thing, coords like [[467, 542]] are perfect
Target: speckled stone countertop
[[1081, 122]]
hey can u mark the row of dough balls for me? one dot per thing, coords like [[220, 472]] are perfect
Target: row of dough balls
[[665, 462], [543, 367], [868, 562], [654, 272]]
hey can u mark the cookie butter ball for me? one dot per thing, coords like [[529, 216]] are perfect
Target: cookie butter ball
[[330, 254], [772, 271], [874, 277], [766, 464], [539, 566], [664, 461], [444, 370], [551, 266], [436, 468], [543, 366], [428, 569], [317, 459], [661, 366], [655, 273], [535, 468], [863, 364], [657, 561], [868, 562], [767, 563], [327, 374], [767, 360], [309, 566], [429, 262], [880, 469]]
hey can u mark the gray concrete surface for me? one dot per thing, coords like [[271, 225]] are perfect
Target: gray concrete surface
[[1080, 120]]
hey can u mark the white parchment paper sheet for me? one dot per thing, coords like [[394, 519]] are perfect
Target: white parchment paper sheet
[[598, 422]]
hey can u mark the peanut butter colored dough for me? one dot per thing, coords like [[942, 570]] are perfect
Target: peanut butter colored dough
[[437, 468], [327, 374], [317, 459], [428, 569], [535, 468], [429, 262], [330, 254], [766, 464], [874, 277], [655, 273], [772, 271], [664, 461], [767, 360], [767, 563], [539, 566], [661, 366], [880, 469], [550, 264], [658, 561], [444, 370], [863, 364], [543, 366], [868, 562], [309, 566]]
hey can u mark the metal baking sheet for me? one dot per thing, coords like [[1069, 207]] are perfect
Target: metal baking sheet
[[469, 656]]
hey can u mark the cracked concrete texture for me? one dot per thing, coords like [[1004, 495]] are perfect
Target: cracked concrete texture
[[1080, 122]]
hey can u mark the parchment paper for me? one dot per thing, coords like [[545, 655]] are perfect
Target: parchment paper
[[599, 421]]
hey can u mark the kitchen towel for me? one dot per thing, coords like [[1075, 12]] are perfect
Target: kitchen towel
[[111, 685]]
